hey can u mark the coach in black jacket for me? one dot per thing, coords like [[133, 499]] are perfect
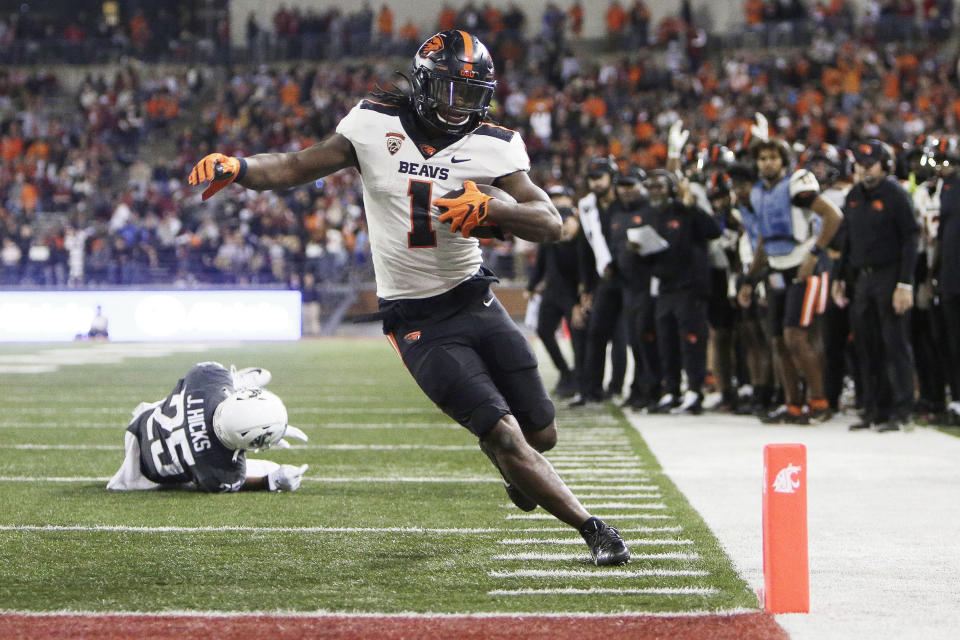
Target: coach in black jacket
[[683, 274], [879, 249]]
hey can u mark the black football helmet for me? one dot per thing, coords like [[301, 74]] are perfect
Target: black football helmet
[[452, 81], [826, 162]]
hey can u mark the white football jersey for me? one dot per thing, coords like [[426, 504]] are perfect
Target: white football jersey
[[415, 255]]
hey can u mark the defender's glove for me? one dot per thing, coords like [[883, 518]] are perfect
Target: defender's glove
[[250, 377], [676, 137], [761, 130], [464, 212], [286, 478], [292, 432], [219, 169]]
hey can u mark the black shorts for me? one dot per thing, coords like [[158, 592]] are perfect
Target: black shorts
[[796, 304], [475, 365]]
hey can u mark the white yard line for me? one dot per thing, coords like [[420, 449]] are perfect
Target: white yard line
[[608, 516], [605, 572], [571, 591], [882, 512], [563, 557], [635, 541]]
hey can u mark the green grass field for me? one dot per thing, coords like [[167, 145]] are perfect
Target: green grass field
[[399, 511]]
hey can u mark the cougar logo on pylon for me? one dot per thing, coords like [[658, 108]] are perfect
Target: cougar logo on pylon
[[394, 140], [786, 482], [431, 46]]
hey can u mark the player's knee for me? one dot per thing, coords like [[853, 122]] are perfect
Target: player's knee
[[544, 439], [505, 439]]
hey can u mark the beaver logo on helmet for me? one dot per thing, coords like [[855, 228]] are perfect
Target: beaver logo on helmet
[[431, 46]]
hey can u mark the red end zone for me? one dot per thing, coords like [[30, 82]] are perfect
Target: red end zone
[[743, 626]]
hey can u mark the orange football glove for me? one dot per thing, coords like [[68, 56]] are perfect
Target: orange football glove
[[219, 169], [466, 211]]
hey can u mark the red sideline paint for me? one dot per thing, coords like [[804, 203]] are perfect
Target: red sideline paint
[[786, 574], [746, 626]]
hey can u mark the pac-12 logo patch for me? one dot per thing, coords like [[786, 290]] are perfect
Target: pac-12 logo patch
[[394, 140]]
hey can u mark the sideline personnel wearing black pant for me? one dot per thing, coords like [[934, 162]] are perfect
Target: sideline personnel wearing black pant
[[880, 245], [947, 271], [555, 277], [683, 270], [601, 289]]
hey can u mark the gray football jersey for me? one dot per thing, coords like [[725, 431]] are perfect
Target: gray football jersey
[[177, 442]]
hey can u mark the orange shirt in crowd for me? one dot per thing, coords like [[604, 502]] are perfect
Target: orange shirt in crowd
[[290, 93], [29, 196], [575, 16], [494, 19], [409, 31], [39, 150], [595, 107], [753, 11], [832, 81], [447, 19], [385, 22], [852, 71], [616, 18], [644, 131], [11, 148]]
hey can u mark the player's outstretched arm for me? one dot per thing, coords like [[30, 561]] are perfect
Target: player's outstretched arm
[[533, 217], [275, 170]]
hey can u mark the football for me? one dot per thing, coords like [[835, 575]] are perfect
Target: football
[[485, 230]]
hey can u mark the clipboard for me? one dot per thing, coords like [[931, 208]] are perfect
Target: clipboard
[[649, 241]]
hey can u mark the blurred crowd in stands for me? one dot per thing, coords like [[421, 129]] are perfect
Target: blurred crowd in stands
[[92, 180]]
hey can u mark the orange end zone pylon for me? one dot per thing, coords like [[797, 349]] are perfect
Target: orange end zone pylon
[[786, 573]]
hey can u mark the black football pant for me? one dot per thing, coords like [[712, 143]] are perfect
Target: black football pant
[[553, 309], [602, 327], [883, 346], [950, 306], [682, 335], [639, 308]]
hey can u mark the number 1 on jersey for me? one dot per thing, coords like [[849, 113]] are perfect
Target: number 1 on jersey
[[421, 234]]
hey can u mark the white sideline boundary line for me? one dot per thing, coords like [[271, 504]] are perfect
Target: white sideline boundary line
[[323, 613], [600, 573], [571, 591]]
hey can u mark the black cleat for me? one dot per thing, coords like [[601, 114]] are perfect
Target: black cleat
[[519, 498], [890, 425], [606, 545]]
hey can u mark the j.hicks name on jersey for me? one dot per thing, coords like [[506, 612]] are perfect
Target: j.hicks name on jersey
[[429, 171], [199, 438]]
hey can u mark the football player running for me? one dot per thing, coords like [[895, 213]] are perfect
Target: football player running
[[199, 435], [412, 146]]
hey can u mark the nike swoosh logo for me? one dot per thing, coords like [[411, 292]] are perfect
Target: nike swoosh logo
[[489, 302], [456, 160]]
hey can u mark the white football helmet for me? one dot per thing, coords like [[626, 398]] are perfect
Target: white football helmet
[[253, 420]]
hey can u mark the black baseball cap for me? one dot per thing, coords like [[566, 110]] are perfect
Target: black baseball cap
[[600, 166], [633, 175], [869, 152]]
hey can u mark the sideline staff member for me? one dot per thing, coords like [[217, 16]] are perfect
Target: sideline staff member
[[880, 234]]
